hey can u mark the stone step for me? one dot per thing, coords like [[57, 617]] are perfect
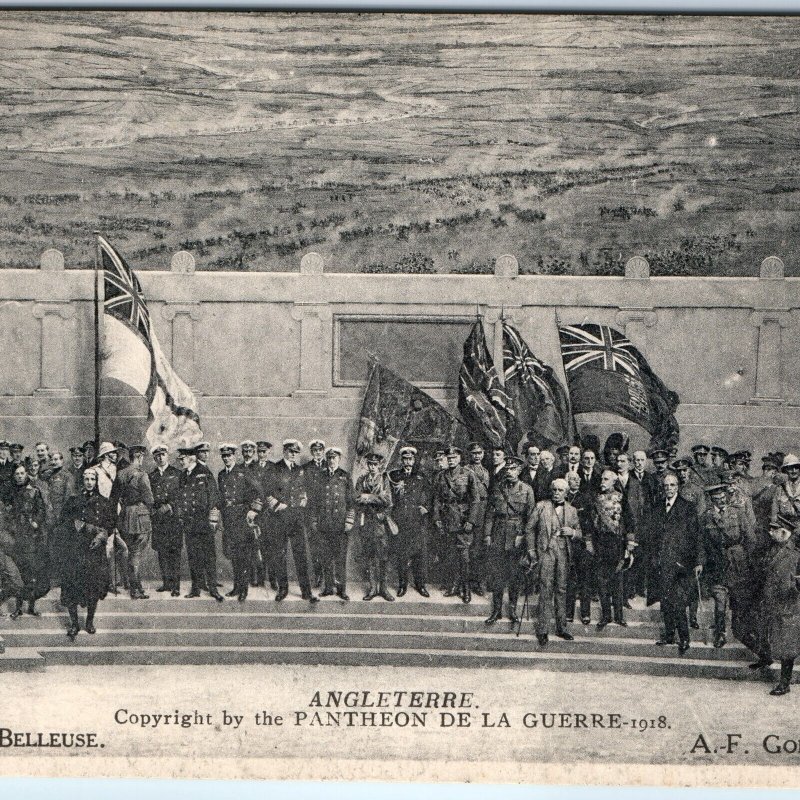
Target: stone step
[[333, 639], [232, 618], [21, 659], [693, 664], [259, 602]]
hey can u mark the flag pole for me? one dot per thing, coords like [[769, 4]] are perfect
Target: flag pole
[[97, 360]]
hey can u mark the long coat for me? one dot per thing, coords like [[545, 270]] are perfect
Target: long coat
[[509, 515], [197, 497], [239, 493], [678, 549], [781, 601], [288, 487], [409, 493], [456, 499], [28, 519], [724, 546], [84, 572], [166, 486], [10, 579], [335, 505]]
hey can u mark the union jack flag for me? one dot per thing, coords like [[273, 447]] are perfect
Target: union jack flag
[[598, 345], [124, 297]]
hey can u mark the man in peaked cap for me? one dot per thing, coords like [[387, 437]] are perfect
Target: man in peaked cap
[[198, 517], [509, 517], [16, 451], [411, 505], [477, 557], [373, 502], [136, 501], [719, 458], [335, 519], [77, 465], [314, 470], [248, 447], [241, 502], [263, 568], [287, 499], [702, 467], [167, 538], [202, 451], [456, 508]]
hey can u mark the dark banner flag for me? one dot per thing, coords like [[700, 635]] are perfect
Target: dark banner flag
[[539, 403], [605, 372], [481, 400], [396, 412]]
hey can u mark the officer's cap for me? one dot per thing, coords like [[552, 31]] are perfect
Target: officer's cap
[[440, 452], [475, 447], [374, 458], [264, 445], [316, 444], [159, 448], [770, 462], [188, 450], [16, 448], [135, 449], [659, 455], [120, 445], [203, 447], [333, 451], [739, 455], [227, 449], [75, 451], [408, 450], [248, 443], [681, 463], [513, 462], [701, 448], [453, 451], [5, 444], [716, 487], [720, 451], [292, 445]]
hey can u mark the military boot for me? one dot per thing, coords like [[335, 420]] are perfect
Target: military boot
[[372, 591], [512, 608], [383, 591], [497, 608], [719, 628]]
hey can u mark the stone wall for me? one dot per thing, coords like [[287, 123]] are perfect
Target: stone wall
[[276, 354]]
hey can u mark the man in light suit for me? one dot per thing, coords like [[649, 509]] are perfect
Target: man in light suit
[[555, 525]]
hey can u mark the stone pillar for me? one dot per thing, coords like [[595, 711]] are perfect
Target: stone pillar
[[183, 317], [635, 323], [56, 332], [316, 335], [769, 386]]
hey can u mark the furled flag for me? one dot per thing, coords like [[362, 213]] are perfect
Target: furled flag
[[605, 372], [482, 402], [538, 401], [132, 355], [397, 412]]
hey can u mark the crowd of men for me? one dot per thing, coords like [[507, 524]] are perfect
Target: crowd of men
[[572, 527]]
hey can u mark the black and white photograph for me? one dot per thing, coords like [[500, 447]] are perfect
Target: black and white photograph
[[400, 396]]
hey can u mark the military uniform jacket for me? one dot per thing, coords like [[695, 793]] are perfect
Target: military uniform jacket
[[61, 485], [409, 492], [239, 492], [197, 497], [724, 546], [288, 487], [315, 475], [456, 499], [509, 514], [136, 499], [781, 600], [335, 505], [694, 494], [165, 489], [547, 524]]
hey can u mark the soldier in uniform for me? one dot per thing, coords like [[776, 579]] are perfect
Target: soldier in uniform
[[60, 486], [687, 488], [6, 470], [241, 502], [373, 500], [198, 517], [136, 500], [719, 457], [16, 451], [456, 506], [764, 491], [726, 571], [509, 517], [287, 499], [701, 467], [165, 481], [314, 469], [555, 526], [411, 503], [263, 566], [335, 518], [477, 556], [438, 544], [203, 451], [77, 466]]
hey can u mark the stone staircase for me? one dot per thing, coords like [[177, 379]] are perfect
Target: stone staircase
[[439, 632]]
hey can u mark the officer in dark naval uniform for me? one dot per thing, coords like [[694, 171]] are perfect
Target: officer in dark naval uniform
[[334, 521], [264, 567], [411, 500], [287, 499], [314, 471], [198, 517], [509, 517], [456, 505], [165, 481], [240, 503]]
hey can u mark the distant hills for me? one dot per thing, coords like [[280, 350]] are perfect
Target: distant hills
[[411, 143]]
